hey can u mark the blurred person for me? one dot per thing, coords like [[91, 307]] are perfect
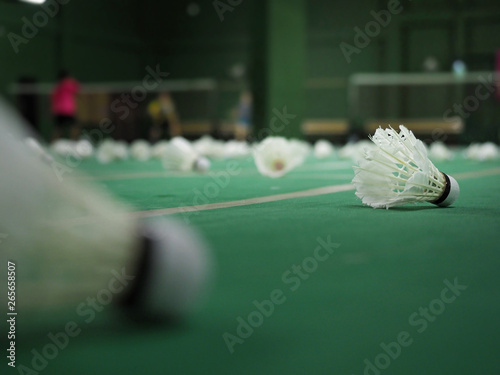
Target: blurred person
[[64, 106], [244, 116], [164, 116]]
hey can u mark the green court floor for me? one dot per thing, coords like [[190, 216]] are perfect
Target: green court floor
[[311, 285]]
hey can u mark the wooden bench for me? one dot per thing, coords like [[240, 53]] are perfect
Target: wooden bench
[[325, 127], [454, 125]]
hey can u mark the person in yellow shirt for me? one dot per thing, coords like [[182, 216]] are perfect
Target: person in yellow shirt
[[164, 116]]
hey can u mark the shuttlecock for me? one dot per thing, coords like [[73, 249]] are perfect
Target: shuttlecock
[[302, 148], [105, 152], [203, 145], [64, 148], [323, 149], [179, 155], [488, 151], [355, 150], [158, 149], [276, 156], [120, 150], [140, 150], [482, 152], [209, 147], [439, 151], [72, 243], [217, 150], [84, 149], [398, 172], [236, 149]]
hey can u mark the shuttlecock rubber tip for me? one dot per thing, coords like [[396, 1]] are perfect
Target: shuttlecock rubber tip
[[450, 193], [202, 164], [173, 272]]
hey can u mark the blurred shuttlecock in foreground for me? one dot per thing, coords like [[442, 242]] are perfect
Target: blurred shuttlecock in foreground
[[179, 155], [276, 156], [398, 172], [72, 242]]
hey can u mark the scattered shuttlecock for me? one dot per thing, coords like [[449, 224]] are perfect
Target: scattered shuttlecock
[[203, 145], [323, 149], [489, 151], [84, 149], [158, 150], [439, 151], [398, 172], [236, 149], [120, 150], [302, 148], [482, 152], [209, 147], [105, 152], [140, 150], [64, 148], [276, 156], [179, 155], [355, 150]]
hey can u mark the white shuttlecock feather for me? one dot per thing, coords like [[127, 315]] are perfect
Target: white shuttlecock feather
[[323, 149], [84, 148], [179, 155], [70, 241], [482, 151], [276, 156], [105, 152], [158, 149], [120, 150], [236, 149], [439, 151], [64, 148], [355, 150], [140, 150], [302, 148], [398, 172]]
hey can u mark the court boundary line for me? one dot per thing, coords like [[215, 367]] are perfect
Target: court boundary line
[[279, 197], [245, 202]]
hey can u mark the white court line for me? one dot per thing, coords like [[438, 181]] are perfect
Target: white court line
[[472, 174], [279, 197], [245, 202]]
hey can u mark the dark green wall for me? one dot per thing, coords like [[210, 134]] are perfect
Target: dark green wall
[[96, 45], [112, 40]]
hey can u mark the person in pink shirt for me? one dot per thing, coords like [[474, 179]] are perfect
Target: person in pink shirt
[[64, 105]]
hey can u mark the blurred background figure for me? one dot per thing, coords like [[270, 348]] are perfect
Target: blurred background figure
[[244, 116], [164, 116], [64, 106]]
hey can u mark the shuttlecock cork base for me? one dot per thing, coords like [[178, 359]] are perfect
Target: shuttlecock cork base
[[450, 193], [397, 172], [170, 274]]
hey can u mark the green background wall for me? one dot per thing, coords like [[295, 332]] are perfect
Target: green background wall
[[114, 40]]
